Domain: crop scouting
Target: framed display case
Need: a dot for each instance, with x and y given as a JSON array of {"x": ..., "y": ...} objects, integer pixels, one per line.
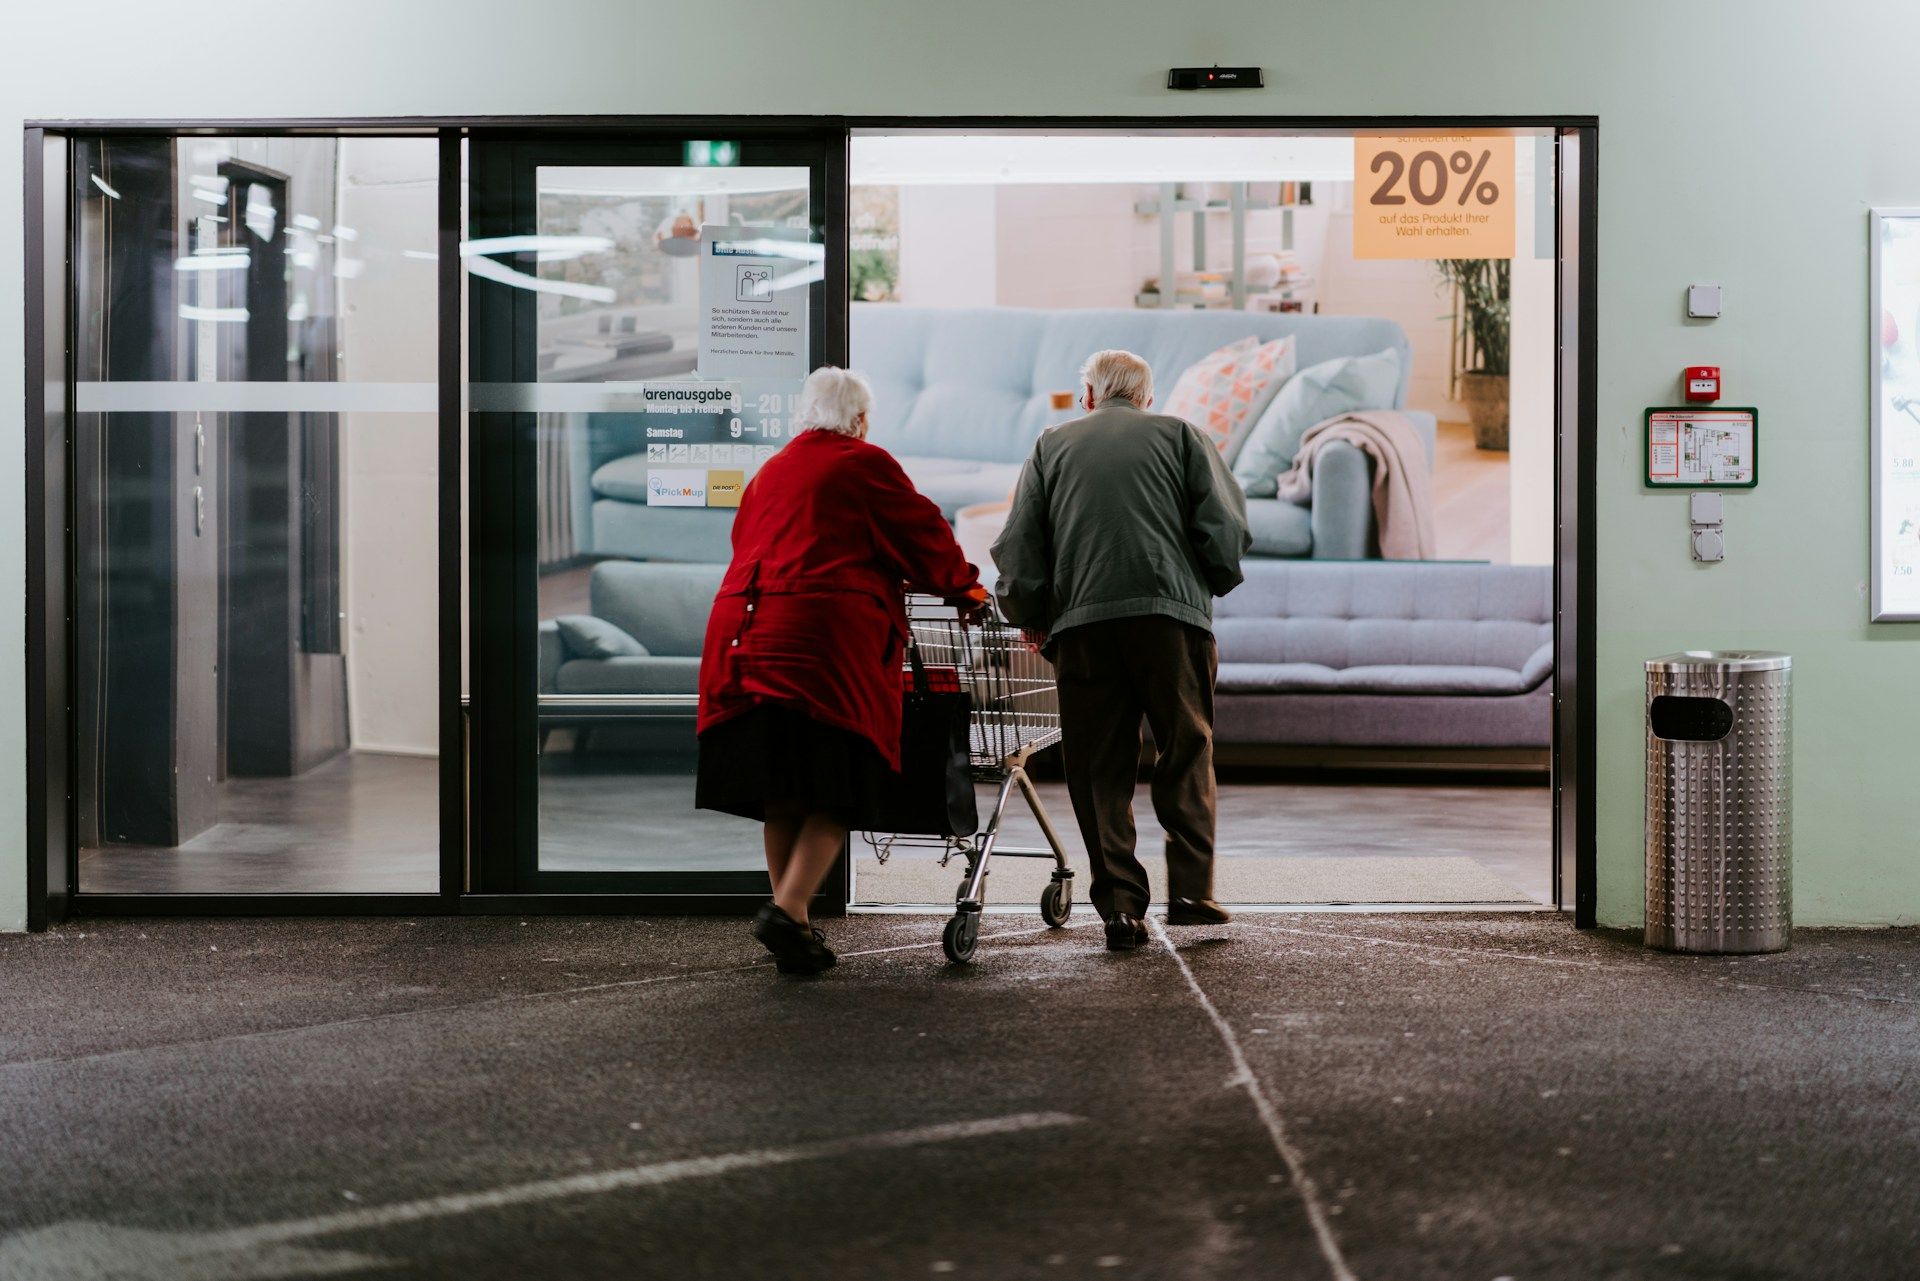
[{"x": 1894, "y": 309}]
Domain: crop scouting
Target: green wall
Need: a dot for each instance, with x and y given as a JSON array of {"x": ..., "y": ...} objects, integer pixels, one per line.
[{"x": 1741, "y": 143}]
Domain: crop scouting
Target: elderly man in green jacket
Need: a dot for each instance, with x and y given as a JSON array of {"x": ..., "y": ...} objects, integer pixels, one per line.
[{"x": 1124, "y": 528}]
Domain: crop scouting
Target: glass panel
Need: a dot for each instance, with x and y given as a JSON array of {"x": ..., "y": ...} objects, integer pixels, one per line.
[
  {"x": 674, "y": 323},
  {"x": 256, "y": 515}
]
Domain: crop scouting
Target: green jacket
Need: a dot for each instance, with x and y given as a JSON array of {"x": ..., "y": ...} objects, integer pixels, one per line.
[{"x": 1119, "y": 514}]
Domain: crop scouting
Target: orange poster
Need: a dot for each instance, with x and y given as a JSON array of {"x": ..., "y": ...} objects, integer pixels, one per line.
[{"x": 1438, "y": 196}]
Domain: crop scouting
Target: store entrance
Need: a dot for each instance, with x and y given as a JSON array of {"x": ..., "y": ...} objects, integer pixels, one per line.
[
  {"x": 383, "y": 484},
  {"x": 1391, "y": 405}
]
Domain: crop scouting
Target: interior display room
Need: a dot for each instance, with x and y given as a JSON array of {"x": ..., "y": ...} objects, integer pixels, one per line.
[{"x": 1760, "y": 185}]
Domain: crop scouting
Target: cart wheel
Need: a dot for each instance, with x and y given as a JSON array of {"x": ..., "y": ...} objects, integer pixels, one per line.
[
  {"x": 1056, "y": 903},
  {"x": 961, "y": 936}
]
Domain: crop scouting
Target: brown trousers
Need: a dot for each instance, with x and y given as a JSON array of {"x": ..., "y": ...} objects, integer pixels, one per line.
[{"x": 1111, "y": 674}]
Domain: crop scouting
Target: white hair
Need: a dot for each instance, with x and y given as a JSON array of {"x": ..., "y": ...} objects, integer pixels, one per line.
[
  {"x": 1118, "y": 373},
  {"x": 831, "y": 399}
]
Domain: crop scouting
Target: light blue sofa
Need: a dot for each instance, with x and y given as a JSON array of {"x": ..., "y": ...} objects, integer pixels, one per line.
[
  {"x": 1313, "y": 653},
  {"x": 1428, "y": 654},
  {"x": 664, "y": 607},
  {"x": 960, "y": 397}
]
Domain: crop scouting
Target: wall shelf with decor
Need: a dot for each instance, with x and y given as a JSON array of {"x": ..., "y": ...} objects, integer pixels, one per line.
[{"x": 1241, "y": 199}]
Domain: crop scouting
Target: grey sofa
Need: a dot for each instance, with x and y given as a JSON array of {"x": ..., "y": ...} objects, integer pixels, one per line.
[
  {"x": 664, "y": 607},
  {"x": 1312, "y": 653},
  {"x": 1387, "y": 654},
  {"x": 961, "y": 395}
]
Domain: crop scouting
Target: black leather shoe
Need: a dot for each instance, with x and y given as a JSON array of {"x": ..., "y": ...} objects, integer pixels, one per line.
[
  {"x": 796, "y": 948},
  {"x": 1196, "y": 911},
  {"x": 820, "y": 958},
  {"x": 1125, "y": 933}
]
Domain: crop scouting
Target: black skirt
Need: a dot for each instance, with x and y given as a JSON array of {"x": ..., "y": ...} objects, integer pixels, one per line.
[{"x": 776, "y": 761}]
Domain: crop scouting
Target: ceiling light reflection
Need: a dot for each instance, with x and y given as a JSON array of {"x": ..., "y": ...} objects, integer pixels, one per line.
[
  {"x": 214, "y": 262},
  {"x": 488, "y": 269},
  {"x": 570, "y": 246}
]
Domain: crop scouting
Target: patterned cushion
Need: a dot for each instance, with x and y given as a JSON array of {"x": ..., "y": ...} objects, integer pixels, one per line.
[{"x": 1223, "y": 393}]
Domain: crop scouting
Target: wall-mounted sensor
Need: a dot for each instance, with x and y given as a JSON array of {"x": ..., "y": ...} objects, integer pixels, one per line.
[
  {"x": 1215, "y": 78},
  {"x": 1703, "y": 302}
]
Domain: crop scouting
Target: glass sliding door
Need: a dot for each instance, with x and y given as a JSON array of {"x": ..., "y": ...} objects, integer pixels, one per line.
[
  {"x": 641, "y": 317},
  {"x": 255, "y": 508}
]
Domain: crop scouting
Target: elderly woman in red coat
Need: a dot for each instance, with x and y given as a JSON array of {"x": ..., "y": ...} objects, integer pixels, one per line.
[{"x": 800, "y": 677}]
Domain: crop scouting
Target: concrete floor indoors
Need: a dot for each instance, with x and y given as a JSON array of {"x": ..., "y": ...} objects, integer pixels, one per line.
[
  {"x": 1289, "y": 1096},
  {"x": 367, "y": 823}
]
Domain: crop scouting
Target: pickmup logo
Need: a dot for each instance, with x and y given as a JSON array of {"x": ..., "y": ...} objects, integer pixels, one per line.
[{"x": 677, "y": 487}]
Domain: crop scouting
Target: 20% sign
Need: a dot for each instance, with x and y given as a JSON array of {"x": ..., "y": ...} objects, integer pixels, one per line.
[{"x": 1433, "y": 197}]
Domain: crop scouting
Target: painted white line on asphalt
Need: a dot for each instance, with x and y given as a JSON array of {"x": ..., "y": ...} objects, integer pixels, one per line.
[
  {"x": 1245, "y": 1078},
  {"x": 639, "y": 1176},
  {"x": 69, "y": 1251}
]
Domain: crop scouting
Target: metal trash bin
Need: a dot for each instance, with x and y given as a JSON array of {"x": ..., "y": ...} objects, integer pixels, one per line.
[{"x": 1719, "y": 801}]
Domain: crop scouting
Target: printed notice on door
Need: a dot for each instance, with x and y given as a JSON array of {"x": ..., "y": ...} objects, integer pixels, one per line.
[
  {"x": 753, "y": 301},
  {"x": 1433, "y": 196}
]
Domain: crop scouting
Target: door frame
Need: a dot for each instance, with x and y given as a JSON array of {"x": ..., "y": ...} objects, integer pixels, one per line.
[
  {"x": 503, "y": 499},
  {"x": 52, "y": 863}
]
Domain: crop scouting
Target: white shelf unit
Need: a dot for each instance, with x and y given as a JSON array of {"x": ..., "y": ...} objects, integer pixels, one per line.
[{"x": 1169, "y": 204}]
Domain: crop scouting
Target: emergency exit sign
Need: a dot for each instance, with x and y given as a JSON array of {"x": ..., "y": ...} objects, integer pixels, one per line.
[{"x": 709, "y": 154}]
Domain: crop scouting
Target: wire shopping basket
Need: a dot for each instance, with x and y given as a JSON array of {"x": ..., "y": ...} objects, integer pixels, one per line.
[{"x": 1015, "y": 712}]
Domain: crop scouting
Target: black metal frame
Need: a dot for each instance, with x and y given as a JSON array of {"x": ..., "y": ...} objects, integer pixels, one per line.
[
  {"x": 1576, "y": 526},
  {"x": 504, "y": 498},
  {"x": 51, "y": 858}
]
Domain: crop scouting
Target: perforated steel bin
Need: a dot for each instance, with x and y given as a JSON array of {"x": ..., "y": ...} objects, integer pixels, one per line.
[{"x": 1719, "y": 801}]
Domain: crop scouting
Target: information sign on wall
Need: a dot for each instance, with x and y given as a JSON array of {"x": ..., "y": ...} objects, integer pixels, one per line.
[
  {"x": 1894, "y": 248},
  {"x": 1716, "y": 448},
  {"x": 1433, "y": 196}
]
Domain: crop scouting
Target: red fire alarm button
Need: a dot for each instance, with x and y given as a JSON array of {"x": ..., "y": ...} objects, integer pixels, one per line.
[{"x": 1703, "y": 382}]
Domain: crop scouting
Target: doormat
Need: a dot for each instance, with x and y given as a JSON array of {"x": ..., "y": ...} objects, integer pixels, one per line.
[{"x": 915, "y": 877}]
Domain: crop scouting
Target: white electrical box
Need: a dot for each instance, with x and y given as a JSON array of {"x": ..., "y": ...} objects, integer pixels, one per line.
[
  {"x": 1705, "y": 531},
  {"x": 1703, "y": 301}
]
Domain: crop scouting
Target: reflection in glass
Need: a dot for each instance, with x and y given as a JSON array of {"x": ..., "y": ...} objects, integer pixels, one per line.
[
  {"x": 256, "y": 613},
  {"x": 638, "y": 273}
]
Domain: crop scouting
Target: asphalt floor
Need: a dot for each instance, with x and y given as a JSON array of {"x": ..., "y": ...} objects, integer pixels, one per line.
[{"x": 1292, "y": 1095}]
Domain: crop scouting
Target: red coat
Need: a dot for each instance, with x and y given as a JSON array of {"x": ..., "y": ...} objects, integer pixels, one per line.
[{"x": 811, "y": 612}]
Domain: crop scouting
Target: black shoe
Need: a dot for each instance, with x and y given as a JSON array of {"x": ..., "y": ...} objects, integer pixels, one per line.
[
  {"x": 1125, "y": 933},
  {"x": 1196, "y": 911},
  {"x": 823, "y": 959},
  {"x": 796, "y": 948}
]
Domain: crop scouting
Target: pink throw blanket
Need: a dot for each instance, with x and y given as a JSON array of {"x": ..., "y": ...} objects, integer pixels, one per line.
[{"x": 1402, "y": 480}]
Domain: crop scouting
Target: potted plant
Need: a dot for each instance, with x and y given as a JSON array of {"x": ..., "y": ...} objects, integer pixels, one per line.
[
  {"x": 1486, "y": 317},
  {"x": 871, "y": 276}
]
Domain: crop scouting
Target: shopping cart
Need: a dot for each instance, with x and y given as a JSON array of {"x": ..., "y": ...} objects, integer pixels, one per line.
[{"x": 1015, "y": 713}]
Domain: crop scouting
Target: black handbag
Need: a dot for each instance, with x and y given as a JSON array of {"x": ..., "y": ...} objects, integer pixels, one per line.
[{"x": 935, "y": 793}]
